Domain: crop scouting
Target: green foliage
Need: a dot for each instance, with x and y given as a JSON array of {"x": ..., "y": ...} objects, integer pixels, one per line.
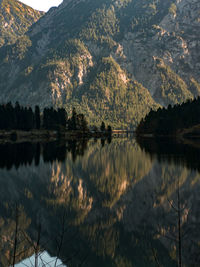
[
  {"x": 145, "y": 14},
  {"x": 77, "y": 122},
  {"x": 21, "y": 46},
  {"x": 103, "y": 127},
  {"x": 110, "y": 96},
  {"x": 194, "y": 87},
  {"x": 173, "y": 89},
  {"x": 109, "y": 129},
  {"x": 168, "y": 121},
  {"x": 103, "y": 22},
  {"x": 64, "y": 61},
  {"x": 173, "y": 9},
  {"x": 68, "y": 49},
  {"x": 22, "y": 18},
  {"x": 78, "y": 70},
  {"x": 37, "y": 117},
  {"x": 17, "y": 117}
]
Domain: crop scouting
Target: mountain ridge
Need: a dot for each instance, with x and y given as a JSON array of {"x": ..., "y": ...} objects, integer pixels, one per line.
[
  {"x": 15, "y": 19},
  {"x": 151, "y": 43}
]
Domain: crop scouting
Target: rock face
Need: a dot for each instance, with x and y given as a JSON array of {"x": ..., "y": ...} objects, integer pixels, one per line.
[
  {"x": 111, "y": 59},
  {"x": 15, "y": 19}
]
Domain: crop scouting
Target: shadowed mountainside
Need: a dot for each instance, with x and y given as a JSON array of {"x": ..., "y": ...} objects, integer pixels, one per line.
[{"x": 112, "y": 60}]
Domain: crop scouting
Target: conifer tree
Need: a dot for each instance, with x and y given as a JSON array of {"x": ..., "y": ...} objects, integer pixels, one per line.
[
  {"x": 103, "y": 127},
  {"x": 37, "y": 117}
]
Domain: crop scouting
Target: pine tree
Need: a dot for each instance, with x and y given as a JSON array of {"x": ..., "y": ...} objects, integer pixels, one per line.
[
  {"x": 109, "y": 129},
  {"x": 103, "y": 127},
  {"x": 37, "y": 117}
]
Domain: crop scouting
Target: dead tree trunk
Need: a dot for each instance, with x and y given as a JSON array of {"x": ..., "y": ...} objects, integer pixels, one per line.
[{"x": 16, "y": 234}]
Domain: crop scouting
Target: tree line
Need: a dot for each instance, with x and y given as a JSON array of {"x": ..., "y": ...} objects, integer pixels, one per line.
[
  {"x": 167, "y": 121},
  {"x": 25, "y": 118},
  {"x": 22, "y": 118}
]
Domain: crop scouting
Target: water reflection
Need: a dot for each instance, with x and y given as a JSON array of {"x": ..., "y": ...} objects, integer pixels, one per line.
[
  {"x": 44, "y": 259},
  {"x": 96, "y": 203},
  {"x": 28, "y": 153},
  {"x": 173, "y": 151}
]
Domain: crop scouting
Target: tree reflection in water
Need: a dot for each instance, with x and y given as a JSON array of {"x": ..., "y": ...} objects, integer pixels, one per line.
[
  {"x": 95, "y": 203},
  {"x": 44, "y": 260}
]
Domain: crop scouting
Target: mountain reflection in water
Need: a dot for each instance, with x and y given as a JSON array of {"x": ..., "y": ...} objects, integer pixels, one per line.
[
  {"x": 43, "y": 260},
  {"x": 96, "y": 203}
]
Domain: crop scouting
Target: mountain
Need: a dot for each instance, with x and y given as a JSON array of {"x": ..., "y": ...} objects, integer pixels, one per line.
[
  {"x": 15, "y": 19},
  {"x": 113, "y": 60}
]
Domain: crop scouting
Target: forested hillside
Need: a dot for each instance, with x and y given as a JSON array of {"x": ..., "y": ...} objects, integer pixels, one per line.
[
  {"x": 15, "y": 19},
  {"x": 172, "y": 120},
  {"x": 112, "y": 60}
]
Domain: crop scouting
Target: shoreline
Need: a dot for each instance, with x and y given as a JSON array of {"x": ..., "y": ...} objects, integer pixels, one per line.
[
  {"x": 19, "y": 136},
  {"x": 184, "y": 138}
]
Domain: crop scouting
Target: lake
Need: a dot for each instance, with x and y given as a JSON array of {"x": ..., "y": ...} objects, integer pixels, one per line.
[{"x": 100, "y": 203}]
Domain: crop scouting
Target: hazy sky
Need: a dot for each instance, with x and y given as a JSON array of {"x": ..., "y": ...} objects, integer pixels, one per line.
[{"x": 43, "y": 5}]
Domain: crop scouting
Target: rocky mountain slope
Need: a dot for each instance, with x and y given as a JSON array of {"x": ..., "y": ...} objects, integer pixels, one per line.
[
  {"x": 111, "y": 59},
  {"x": 15, "y": 19}
]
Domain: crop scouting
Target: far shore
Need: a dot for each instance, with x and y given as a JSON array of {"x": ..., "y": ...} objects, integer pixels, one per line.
[
  {"x": 187, "y": 136},
  {"x": 181, "y": 134},
  {"x": 43, "y": 135}
]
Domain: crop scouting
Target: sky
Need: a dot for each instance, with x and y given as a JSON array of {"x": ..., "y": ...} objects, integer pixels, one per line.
[{"x": 42, "y": 5}]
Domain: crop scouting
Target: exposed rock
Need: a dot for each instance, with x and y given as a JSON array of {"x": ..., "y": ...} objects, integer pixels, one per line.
[
  {"x": 15, "y": 19},
  {"x": 156, "y": 45}
]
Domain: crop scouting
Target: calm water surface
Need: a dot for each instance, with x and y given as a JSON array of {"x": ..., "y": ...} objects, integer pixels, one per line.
[{"x": 100, "y": 203}]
